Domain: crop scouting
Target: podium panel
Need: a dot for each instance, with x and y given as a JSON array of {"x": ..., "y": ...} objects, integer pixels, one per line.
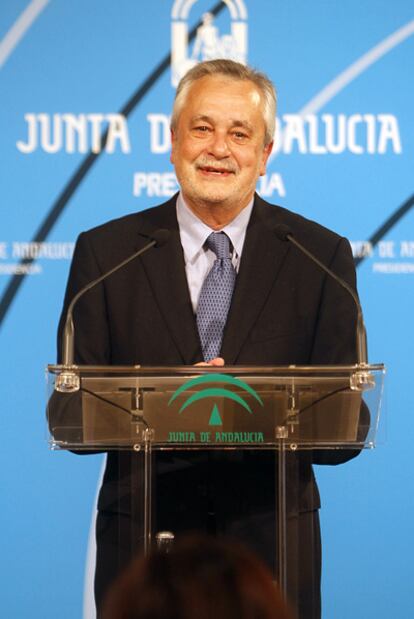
[
  {"x": 297, "y": 415},
  {"x": 203, "y": 408}
]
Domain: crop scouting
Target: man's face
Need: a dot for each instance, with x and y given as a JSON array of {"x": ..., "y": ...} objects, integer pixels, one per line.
[{"x": 218, "y": 144}]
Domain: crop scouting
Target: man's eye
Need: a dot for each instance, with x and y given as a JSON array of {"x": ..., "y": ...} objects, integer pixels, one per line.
[
  {"x": 202, "y": 128},
  {"x": 240, "y": 135}
]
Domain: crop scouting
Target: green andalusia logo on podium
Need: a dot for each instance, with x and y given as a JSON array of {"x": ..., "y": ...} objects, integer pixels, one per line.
[{"x": 215, "y": 392}]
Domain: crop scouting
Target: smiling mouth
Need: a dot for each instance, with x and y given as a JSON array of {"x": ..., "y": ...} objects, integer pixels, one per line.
[{"x": 213, "y": 171}]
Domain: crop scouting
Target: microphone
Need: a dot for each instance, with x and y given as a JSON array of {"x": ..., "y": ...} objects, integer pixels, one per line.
[
  {"x": 68, "y": 380},
  {"x": 284, "y": 233}
]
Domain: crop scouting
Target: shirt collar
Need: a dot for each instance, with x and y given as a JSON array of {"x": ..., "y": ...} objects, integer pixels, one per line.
[{"x": 194, "y": 232}]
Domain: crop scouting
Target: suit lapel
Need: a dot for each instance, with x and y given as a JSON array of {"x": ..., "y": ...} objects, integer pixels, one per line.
[
  {"x": 165, "y": 269},
  {"x": 262, "y": 259}
]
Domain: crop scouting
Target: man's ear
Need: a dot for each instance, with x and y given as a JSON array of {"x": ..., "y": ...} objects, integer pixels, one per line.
[
  {"x": 173, "y": 139},
  {"x": 265, "y": 156}
]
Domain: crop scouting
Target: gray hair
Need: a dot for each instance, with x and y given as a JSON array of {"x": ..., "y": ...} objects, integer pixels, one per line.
[{"x": 236, "y": 71}]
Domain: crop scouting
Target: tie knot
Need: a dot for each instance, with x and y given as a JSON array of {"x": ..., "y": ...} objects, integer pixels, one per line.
[{"x": 219, "y": 243}]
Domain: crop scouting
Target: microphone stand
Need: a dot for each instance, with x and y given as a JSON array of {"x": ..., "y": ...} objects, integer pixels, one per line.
[{"x": 68, "y": 380}]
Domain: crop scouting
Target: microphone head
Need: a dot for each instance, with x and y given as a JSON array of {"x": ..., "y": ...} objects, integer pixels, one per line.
[
  {"x": 161, "y": 236},
  {"x": 282, "y": 232}
]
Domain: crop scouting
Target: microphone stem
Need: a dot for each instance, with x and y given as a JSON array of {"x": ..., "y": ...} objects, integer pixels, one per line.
[
  {"x": 361, "y": 334},
  {"x": 68, "y": 341}
]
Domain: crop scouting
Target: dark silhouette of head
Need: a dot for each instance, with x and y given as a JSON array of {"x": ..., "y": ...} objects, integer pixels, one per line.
[{"x": 200, "y": 578}]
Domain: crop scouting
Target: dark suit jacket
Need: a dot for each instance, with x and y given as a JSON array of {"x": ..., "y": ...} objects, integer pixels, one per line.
[{"x": 284, "y": 310}]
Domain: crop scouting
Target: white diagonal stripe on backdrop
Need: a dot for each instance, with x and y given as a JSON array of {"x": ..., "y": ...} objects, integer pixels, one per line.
[
  {"x": 89, "y": 608},
  {"x": 354, "y": 70},
  {"x": 19, "y": 28}
]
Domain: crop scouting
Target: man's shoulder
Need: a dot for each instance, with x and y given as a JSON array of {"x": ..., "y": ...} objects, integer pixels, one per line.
[
  {"x": 307, "y": 231},
  {"x": 129, "y": 226}
]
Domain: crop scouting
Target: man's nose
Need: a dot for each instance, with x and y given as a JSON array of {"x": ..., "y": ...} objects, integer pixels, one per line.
[{"x": 219, "y": 146}]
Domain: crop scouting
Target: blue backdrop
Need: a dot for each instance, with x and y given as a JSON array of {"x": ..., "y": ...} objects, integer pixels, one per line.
[{"x": 71, "y": 71}]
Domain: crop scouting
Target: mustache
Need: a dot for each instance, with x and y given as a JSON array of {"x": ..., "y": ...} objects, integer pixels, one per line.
[{"x": 205, "y": 162}]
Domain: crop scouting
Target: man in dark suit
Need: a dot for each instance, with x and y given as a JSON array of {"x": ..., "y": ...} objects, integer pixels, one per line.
[{"x": 284, "y": 310}]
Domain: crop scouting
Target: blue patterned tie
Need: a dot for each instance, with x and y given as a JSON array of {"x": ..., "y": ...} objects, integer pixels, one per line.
[{"x": 215, "y": 296}]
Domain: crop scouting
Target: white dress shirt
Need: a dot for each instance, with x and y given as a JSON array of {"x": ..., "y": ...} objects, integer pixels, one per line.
[{"x": 193, "y": 235}]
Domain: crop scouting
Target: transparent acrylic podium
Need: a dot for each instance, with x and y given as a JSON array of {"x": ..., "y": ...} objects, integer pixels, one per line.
[{"x": 284, "y": 409}]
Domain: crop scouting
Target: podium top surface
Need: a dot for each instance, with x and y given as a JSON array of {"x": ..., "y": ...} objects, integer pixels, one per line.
[{"x": 288, "y": 370}]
